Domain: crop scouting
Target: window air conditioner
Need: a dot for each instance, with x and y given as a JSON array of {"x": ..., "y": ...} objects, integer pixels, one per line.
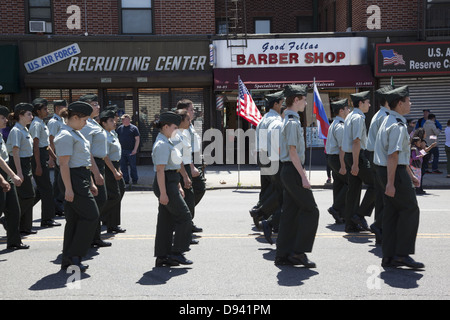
[{"x": 37, "y": 26}]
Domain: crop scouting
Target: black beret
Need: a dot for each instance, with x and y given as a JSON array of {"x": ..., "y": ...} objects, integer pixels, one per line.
[
  {"x": 81, "y": 107},
  {"x": 274, "y": 97},
  {"x": 89, "y": 97},
  {"x": 337, "y": 105},
  {"x": 295, "y": 90},
  {"x": 4, "y": 111},
  {"x": 397, "y": 93},
  {"x": 380, "y": 93},
  {"x": 360, "y": 96},
  {"x": 170, "y": 117},
  {"x": 40, "y": 102},
  {"x": 60, "y": 103},
  {"x": 112, "y": 107},
  {"x": 23, "y": 106},
  {"x": 105, "y": 114}
]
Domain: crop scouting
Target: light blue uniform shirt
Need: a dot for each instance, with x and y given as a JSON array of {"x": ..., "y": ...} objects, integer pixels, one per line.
[
  {"x": 39, "y": 130},
  {"x": 114, "y": 148},
  {"x": 274, "y": 131},
  {"x": 335, "y": 135},
  {"x": 269, "y": 117},
  {"x": 54, "y": 125},
  {"x": 20, "y": 137},
  {"x": 3, "y": 149},
  {"x": 292, "y": 135},
  {"x": 165, "y": 153},
  {"x": 182, "y": 141},
  {"x": 96, "y": 136},
  {"x": 70, "y": 142},
  {"x": 375, "y": 124},
  {"x": 392, "y": 136},
  {"x": 354, "y": 128}
]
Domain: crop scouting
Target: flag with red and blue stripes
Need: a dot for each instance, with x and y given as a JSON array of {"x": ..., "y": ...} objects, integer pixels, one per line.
[{"x": 321, "y": 116}]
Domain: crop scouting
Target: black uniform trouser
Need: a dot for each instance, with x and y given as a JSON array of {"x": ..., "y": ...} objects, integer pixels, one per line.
[
  {"x": 353, "y": 196},
  {"x": 81, "y": 214},
  {"x": 379, "y": 191},
  {"x": 102, "y": 197},
  {"x": 401, "y": 215},
  {"x": 276, "y": 199},
  {"x": 25, "y": 193},
  {"x": 58, "y": 197},
  {"x": 300, "y": 217},
  {"x": 115, "y": 190},
  {"x": 9, "y": 204},
  {"x": 189, "y": 196},
  {"x": 340, "y": 184},
  {"x": 199, "y": 185},
  {"x": 44, "y": 191},
  {"x": 174, "y": 217}
]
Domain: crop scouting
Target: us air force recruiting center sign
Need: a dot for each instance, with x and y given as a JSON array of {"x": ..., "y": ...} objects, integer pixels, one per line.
[
  {"x": 117, "y": 56},
  {"x": 52, "y": 58}
]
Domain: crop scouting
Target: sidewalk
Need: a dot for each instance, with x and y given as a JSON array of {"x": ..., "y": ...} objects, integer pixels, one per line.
[{"x": 228, "y": 177}]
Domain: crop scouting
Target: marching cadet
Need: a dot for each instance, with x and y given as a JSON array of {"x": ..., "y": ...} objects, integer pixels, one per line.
[
  {"x": 198, "y": 175},
  {"x": 173, "y": 213},
  {"x": 401, "y": 211},
  {"x": 268, "y": 197},
  {"x": 96, "y": 135},
  {"x": 41, "y": 173},
  {"x": 181, "y": 138},
  {"x": 375, "y": 124},
  {"x": 9, "y": 203},
  {"x": 20, "y": 149},
  {"x": 54, "y": 126},
  {"x": 300, "y": 216},
  {"x": 115, "y": 185},
  {"x": 335, "y": 159},
  {"x": 81, "y": 211},
  {"x": 354, "y": 143}
]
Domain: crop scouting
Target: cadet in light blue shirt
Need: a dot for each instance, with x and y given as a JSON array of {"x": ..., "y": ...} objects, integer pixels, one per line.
[
  {"x": 9, "y": 202},
  {"x": 375, "y": 124},
  {"x": 115, "y": 184},
  {"x": 299, "y": 220},
  {"x": 41, "y": 155},
  {"x": 96, "y": 135},
  {"x": 80, "y": 208},
  {"x": 335, "y": 159},
  {"x": 20, "y": 148},
  {"x": 54, "y": 126},
  {"x": 401, "y": 211},
  {"x": 267, "y": 199},
  {"x": 174, "y": 226},
  {"x": 358, "y": 166}
]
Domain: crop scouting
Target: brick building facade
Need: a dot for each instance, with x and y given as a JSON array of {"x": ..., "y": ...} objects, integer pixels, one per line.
[{"x": 146, "y": 56}]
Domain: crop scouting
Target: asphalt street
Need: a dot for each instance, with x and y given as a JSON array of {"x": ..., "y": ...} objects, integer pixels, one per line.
[{"x": 232, "y": 260}]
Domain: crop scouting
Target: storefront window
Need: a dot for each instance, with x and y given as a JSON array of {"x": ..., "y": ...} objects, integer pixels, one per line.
[
  {"x": 151, "y": 103},
  {"x": 51, "y": 95},
  {"x": 123, "y": 98}
]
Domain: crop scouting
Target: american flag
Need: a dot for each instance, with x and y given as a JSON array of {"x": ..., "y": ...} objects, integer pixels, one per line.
[
  {"x": 246, "y": 107},
  {"x": 392, "y": 57}
]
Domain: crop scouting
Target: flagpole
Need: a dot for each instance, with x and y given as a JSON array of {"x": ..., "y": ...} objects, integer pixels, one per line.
[
  {"x": 310, "y": 133},
  {"x": 238, "y": 139}
]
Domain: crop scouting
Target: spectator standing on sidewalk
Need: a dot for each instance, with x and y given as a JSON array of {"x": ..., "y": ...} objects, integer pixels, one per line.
[
  {"x": 129, "y": 138},
  {"x": 432, "y": 132}
]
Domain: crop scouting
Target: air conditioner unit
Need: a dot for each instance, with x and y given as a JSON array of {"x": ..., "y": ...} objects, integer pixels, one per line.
[{"x": 37, "y": 26}]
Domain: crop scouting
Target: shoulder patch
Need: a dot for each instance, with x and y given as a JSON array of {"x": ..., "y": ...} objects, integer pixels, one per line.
[{"x": 400, "y": 122}]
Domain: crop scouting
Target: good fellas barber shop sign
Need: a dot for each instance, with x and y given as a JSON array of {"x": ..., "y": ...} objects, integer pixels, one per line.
[{"x": 293, "y": 52}]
